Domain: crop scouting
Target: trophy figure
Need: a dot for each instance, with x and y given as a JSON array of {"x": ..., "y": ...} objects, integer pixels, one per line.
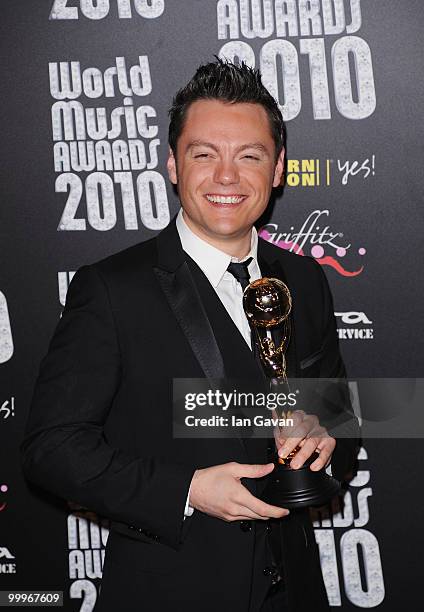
[{"x": 267, "y": 303}]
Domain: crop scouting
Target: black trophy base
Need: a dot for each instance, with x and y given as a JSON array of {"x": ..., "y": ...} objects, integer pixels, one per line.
[{"x": 290, "y": 488}]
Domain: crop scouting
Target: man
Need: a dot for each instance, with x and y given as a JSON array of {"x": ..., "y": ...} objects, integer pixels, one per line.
[{"x": 186, "y": 531}]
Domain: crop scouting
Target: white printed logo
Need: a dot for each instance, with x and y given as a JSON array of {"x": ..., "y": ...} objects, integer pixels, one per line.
[
  {"x": 351, "y": 319},
  {"x": 5, "y": 553},
  {"x": 6, "y": 341},
  {"x": 99, "y": 9}
]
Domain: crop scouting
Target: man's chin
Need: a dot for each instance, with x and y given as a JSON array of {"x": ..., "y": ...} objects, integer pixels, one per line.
[{"x": 227, "y": 232}]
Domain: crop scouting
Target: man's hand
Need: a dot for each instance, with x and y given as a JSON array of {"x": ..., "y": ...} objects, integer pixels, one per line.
[
  {"x": 310, "y": 436},
  {"x": 217, "y": 491}
]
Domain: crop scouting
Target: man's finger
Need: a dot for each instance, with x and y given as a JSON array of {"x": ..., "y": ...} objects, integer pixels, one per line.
[
  {"x": 325, "y": 453},
  {"x": 325, "y": 449},
  {"x": 289, "y": 445},
  {"x": 252, "y": 470},
  {"x": 305, "y": 429},
  {"x": 266, "y": 510},
  {"x": 248, "y": 515},
  {"x": 259, "y": 507},
  {"x": 306, "y": 451},
  {"x": 239, "y": 512}
]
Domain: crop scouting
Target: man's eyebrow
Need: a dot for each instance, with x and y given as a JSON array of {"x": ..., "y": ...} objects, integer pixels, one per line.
[
  {"x": 201, "y": 143},
  {"x": 250, "y": 145},
  {"x": 253, "y": 145}
]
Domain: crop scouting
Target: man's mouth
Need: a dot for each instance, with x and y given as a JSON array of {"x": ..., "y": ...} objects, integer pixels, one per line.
[{"x": 232, "y": 199}]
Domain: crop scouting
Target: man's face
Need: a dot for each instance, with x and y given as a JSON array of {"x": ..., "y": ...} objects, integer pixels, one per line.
[{"x": 225, "y": 168}]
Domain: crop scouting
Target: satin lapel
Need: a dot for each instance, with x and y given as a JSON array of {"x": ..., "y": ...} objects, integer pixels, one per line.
[
  {"x": 184, "y": 300},
  {"x": 275, "y": 269},
  {"x": 180, "y": 290},
  {"x": 181, "y": 293}
]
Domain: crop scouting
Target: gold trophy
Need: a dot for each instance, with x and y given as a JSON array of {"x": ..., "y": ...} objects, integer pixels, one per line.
[{"x": 267, "y": 303}]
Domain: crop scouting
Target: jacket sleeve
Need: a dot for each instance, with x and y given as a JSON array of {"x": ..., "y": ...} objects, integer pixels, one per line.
[
  {"x": 346, "y": 427},
  {"x": 64, "y": 449}
]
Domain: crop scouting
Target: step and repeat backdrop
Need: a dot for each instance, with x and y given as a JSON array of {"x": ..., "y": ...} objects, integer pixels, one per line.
[{"x": 86, "y": 88}]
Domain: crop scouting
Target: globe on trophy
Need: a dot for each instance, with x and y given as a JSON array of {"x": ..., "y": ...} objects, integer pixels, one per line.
[{"x": 267, "y": 303}]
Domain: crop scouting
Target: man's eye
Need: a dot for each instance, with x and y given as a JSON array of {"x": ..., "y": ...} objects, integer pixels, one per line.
[
  {"x": 251, "y": 157},
  {"x": 201, "y": 155}
]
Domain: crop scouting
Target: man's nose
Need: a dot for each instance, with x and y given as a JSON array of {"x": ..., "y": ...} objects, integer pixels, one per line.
[{"x": 226, "y": 172}]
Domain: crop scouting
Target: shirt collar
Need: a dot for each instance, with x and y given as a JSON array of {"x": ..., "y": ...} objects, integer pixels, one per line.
[{"x": 211, "y": 261}]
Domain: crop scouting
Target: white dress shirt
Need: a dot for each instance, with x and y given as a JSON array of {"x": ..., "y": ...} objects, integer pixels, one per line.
[{"x": 214, "y": 264}]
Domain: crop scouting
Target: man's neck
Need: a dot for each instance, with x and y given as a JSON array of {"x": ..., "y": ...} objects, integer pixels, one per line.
[{"x": 236, "y": 246}]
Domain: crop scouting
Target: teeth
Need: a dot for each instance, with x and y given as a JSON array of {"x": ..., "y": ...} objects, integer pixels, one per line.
[{"x": 224, "y": 200}]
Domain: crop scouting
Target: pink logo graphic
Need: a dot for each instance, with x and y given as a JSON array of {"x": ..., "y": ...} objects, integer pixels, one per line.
[
  {"x": 316, "y": 240},
  {"x": 3, "y": 489}
]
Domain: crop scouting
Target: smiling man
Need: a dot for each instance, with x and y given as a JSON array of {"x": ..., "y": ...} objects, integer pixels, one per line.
[
  {"x": 188, "y": 528},
  {"x": 225, "y": 166}
]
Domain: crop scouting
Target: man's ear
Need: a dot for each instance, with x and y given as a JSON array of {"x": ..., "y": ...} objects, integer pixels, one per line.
[
  {"x": 279, "y": 169},
  {"x": 171, "y": 166}
]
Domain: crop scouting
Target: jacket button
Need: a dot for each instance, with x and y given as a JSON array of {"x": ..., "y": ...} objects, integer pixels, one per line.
[
  {"x": 268, "y": 571},
  {"x": 246, "y": 525},
  {"x": 268, "y": 527}
]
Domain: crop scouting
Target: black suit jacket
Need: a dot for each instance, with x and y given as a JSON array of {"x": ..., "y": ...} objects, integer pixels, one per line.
[{"x": 99, "y": 431}]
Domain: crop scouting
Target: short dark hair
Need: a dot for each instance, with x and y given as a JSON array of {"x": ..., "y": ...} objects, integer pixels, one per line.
[{"x": 223, "y": 80}]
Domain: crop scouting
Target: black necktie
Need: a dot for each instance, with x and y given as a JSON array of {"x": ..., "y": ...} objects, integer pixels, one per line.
[{"x": 240, "y": 272}]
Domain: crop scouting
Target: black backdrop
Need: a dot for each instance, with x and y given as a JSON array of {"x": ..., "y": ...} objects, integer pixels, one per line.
[{"x": 348, "y": 77}]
